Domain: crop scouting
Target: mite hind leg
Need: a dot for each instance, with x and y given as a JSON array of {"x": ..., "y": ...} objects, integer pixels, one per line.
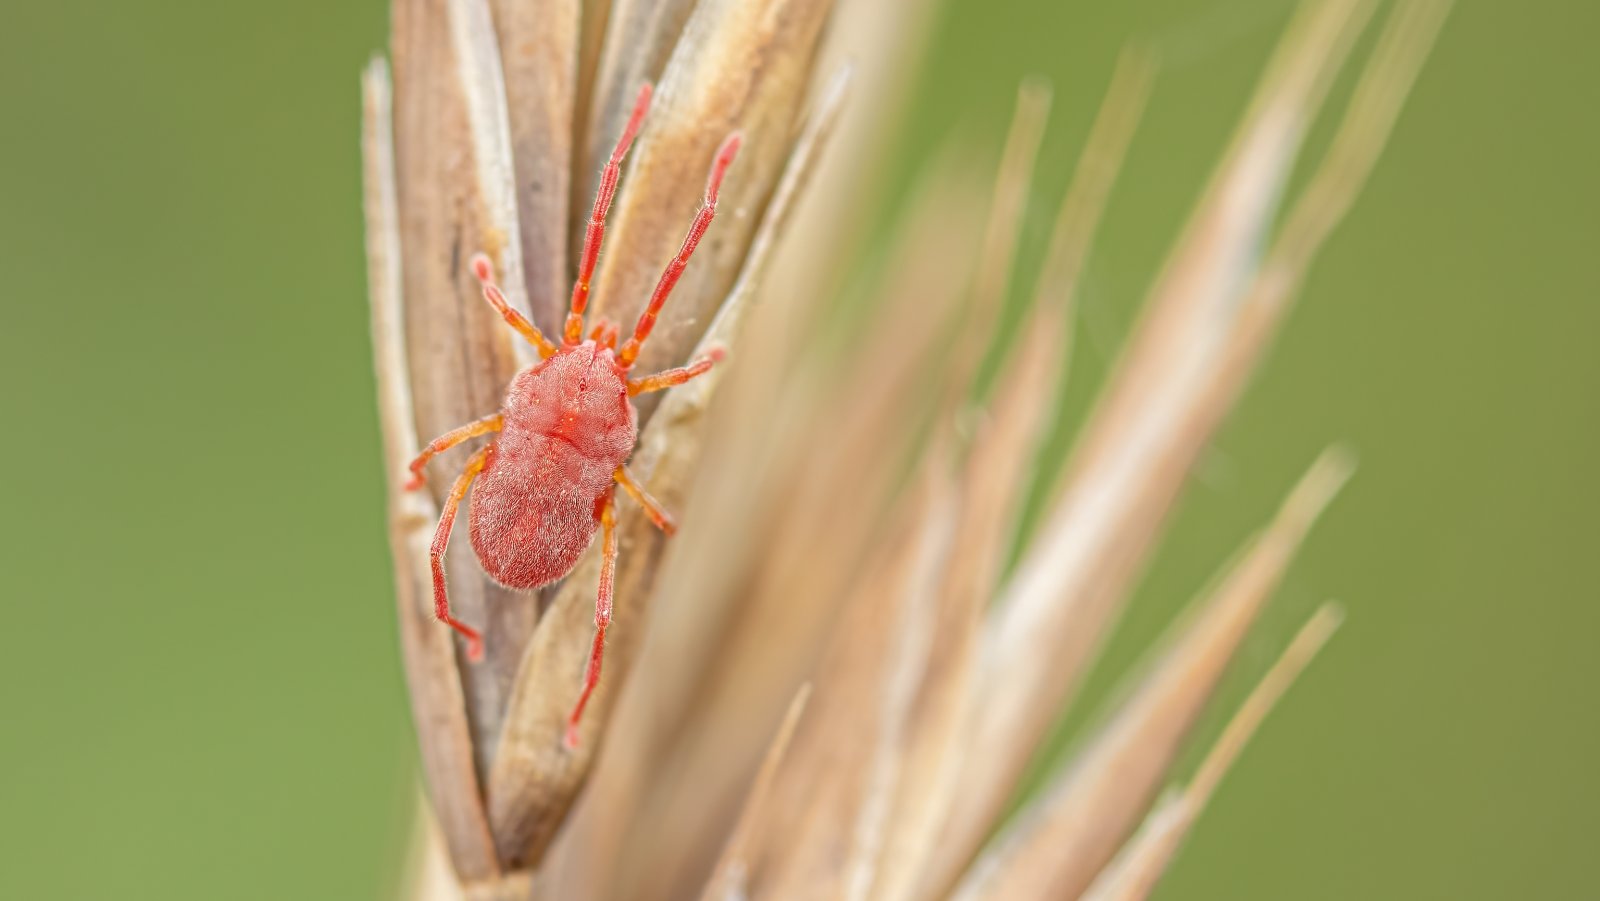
[
  {"x": 448, "y": 440},
  {"x": 602, "y": 611},
  {"x": 441, "y": 541},
  {"x": 652, "y": 507}
]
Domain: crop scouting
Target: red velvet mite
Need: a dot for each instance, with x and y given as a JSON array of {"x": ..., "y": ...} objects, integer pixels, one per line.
[{"x": 548, "y": 478}]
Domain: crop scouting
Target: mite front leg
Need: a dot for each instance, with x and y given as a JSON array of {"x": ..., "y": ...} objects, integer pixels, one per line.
[
  {"x": 441, "y": 541},
  {"x": 448, "y": 440},
  {"x": 497, "y": 299},
  {"x": 652, "y": 507},
  {"x": 669, "y": 278},
  {"x": 602, "y": 612},
  {"x": 670, "y": 377},
  {"x": 595, "y": 234}
]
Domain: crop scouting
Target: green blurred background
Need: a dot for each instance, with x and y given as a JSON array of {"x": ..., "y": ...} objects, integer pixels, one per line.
[{"x": 201, "y": 692}]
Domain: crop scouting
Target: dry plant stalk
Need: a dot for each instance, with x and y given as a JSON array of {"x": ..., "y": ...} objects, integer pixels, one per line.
[{"x": 918, "y": 678}]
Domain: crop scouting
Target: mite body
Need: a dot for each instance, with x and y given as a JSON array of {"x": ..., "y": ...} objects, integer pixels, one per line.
[
  {"x": 546, "y": 481},
  {"x": 568, "y": 427}
]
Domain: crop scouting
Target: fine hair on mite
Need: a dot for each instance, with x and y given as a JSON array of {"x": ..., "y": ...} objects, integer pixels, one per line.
[{"x": 546, "y": 481}]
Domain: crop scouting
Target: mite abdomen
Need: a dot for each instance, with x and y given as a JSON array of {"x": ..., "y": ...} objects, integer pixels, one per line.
[{"x": 533, "y": 509}]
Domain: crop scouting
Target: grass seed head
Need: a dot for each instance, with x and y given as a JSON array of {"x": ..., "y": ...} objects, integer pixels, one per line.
[{"x": 841, "y": 686}]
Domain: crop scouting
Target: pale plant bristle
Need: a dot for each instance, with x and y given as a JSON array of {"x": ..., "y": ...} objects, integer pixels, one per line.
[{"x": 830, "y": 687}]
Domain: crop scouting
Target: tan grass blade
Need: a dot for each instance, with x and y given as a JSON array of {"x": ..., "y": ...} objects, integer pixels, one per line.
[
  {"x": 1402, "y": 48},
  {"x": 995, "y": 477},
  {"x": 1096, "y": 173},
  {"x": 740, "y": 65},
  {"x": 886, "y": 46},
  {"x": 907, "y": 657},
  {"x": 1007, "y": 213},
  {"x": 990, "y": 495},
  {"x": 637, "y": 41},
  {"x": 429, "y": 875},
  {"x": 1141, "y": 863},
  {"x": 1060, "y": 841},
  {"x": 594, "y": 19},
  {"x": 460, "y": 353},
  {"x": 431, "y": 674},
  {"x": 538, "y": 49},
  {"x": 1156, "y": 414},
  {"x": 816, "y": 135},
  {"x": 729, "y": 880},
  {"x": 534, "y": 778},
  {"x": 483, "y": 86},
  {"x": 825, "y": 831}
]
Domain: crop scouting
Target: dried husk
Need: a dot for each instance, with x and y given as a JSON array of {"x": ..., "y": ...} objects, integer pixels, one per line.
[
  {"x": 730, "y": 880},
  {"x": 431, "y": 673},
  {"x": 1140, "y": 864},
  {"x": 538, "y": 50}
]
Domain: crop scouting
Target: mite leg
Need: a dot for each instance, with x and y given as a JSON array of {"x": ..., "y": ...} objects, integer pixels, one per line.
[
  {"x": 441, "y": 540},
  {"x": 674, "y": 270},
  {"x": 597, "y": 218},
  {"x": 496, "y": 299},
  {"x": 669, "y": 377},
  {"x": 448, "y": 440},
  {"x": 652, "y": 507},
  {"x": 602, "y": 613}
]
